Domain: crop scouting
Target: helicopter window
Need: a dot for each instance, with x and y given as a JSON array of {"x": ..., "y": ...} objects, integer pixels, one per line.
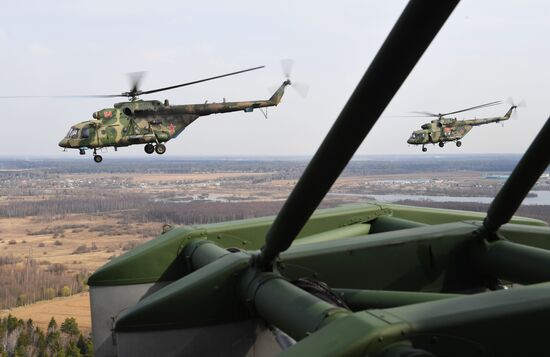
[
  {"x": 73, "y": 133},
  {"x": 85, "y": 133}
]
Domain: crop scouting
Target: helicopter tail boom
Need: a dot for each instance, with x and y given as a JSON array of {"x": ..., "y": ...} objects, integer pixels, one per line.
[
  {"x": 278, "y": 95},
  {"x": 214, "y": 108},
  {"x": 510, "y": 111},
  {"x": 482, "y": 121}
]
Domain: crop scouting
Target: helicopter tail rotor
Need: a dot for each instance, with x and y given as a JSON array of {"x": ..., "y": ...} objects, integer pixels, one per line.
[
  {"x": 522, "y": 103},
  {"x": 515, "y": 105},
  {"x": 301, "y": 88}
]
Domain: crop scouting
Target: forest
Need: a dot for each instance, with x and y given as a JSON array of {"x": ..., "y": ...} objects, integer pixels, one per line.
[
  {"x": 20, "y": 338},
  {"x": 25, "y": 281}
]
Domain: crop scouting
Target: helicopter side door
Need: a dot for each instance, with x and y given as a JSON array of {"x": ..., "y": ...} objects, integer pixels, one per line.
[{"x": 89, "y": 136}]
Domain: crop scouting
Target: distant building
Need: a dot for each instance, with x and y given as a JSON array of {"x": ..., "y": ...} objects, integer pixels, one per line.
[
  {"x": 505, "y": 176},
  {"x": 496, "y": 177}
]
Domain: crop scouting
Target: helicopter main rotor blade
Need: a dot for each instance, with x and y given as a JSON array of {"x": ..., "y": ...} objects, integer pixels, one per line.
[
  {"x": 411, "y": 35},
  {"x": 476, "y": 107},
  {"x": 533, "y": 163},
  {"x": 407, "y": 116},
  {"x": 135, "y": 80},
  {"x": 62, "y": 96},
  {"x": 425, "y": 114},
  {"x": 199, "y": 81}
]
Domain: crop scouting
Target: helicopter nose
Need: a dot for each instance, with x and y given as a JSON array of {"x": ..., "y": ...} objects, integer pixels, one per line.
[{"x": 63, "y": 143}]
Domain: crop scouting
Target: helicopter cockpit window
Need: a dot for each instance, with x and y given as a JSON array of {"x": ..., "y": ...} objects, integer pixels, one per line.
[
  {"x": 85, "y": 133},
  {"x": 73, "y": 133}
]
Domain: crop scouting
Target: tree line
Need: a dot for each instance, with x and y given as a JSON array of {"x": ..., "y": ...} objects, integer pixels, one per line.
[
  {"x": 24, "y": 282},
  {"x": 139, "y": 208},
  {"x": 23, "y": 339}
]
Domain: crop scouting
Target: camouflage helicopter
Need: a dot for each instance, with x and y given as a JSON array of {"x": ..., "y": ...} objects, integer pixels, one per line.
[
  {"x": 151, "y": 122},
  {"x": 444, "y": 129},
  {"x": 380, "y": 280}
]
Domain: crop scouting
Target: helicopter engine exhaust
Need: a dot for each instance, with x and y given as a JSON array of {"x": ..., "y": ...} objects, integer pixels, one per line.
[{"x": 129, "y": 112}]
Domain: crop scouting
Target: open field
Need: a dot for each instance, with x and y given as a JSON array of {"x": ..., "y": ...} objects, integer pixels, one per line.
[
  {"x": 77, "y": 306},
  {"x": 48, "y": 241}
]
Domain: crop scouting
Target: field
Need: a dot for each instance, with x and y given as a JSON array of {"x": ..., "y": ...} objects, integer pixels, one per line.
[{"x": 77, "y": 306}]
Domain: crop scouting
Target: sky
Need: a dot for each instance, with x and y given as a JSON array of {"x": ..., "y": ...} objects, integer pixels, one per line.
[{"x": 488, "y": 50}]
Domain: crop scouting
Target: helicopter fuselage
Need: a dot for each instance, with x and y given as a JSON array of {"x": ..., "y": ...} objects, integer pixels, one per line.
[
  {"x": 436, "y": 132},
  {"x": 149, "y": 122},
  {"x": 114, "y": 128},
  {"x": 443, "y": 129}
]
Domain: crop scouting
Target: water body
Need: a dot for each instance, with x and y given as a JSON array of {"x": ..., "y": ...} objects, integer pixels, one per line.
[{"x": 543, "y": 198}]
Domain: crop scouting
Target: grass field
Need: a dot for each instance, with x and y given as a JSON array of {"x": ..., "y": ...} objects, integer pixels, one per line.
[
  {"x": 50, "y": 248},
  {"x": 77, "y": 306}
]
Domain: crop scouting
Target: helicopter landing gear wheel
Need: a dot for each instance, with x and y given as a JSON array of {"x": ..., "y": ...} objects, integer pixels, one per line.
[
  {"x": 424, "y": 149},
  {"x": 98, "y": 158},
  {"x": 441, "y": 144},
  {"x": 149, "y": 148},
  {"x": 160, "y": 149},
  {"x": 458, "y": 143}
]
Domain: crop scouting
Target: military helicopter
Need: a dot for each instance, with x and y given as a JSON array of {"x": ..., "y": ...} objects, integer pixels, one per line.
[
  {"x": 444, "y": 129},
  {"x": 151, "y": 122},
  {"x": 380, "y": 280}
]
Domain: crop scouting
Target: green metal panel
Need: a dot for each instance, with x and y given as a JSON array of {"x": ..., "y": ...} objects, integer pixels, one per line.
[
  {"x": 353, "y": 230},
  {"x": 358, "y": 334},
  {"x": 533, "y": 236},
  {"x": 156, "y": 260},
  {"x": 159, "y": 260},
  {"x": 430, "y": 258},
  {"x": 439, "y": 215},
  {"x": 379, "y": 299},
  {"x": 386, "y": 224},
  {"x": 206, "y": 296}
]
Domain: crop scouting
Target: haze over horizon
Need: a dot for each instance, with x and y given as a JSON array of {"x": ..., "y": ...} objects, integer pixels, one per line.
[{"x": 486, "y": 51}]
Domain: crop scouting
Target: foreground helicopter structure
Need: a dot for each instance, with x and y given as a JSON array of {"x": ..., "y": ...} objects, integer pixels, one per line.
[
  {"x": 365, "y": 280},
  {"x": 151, "y": 122},
  {"x": 441, "y": 130}
]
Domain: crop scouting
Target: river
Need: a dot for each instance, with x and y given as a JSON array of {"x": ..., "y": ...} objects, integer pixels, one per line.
[{"x": 542, "y": 198}]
